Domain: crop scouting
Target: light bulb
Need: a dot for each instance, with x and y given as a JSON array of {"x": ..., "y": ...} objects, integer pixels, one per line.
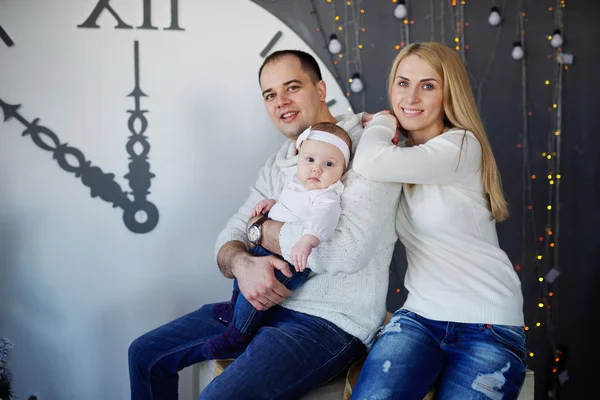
[
  {"x": 335, "y": 46},
  {"x": 494, "y": 18},
  {"x": 557, "y": 39},
  {"x": 517, "y": 51},
  {"x": 356, "y": 85},
  {"x": 400, "y": 11}
]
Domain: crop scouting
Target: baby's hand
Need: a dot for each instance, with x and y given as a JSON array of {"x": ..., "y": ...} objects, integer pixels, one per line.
[
  {"x": 300, "y": 253},
  {"x": 263, "y": 207}
]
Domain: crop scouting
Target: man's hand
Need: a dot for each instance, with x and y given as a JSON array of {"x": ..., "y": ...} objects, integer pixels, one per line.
[
  {"x": 257, "y": 280},
  {"x": 367, "y": 118},
  {"x": 263, "y": 207}
]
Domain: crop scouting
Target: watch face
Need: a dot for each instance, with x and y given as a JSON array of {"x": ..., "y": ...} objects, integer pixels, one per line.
[{"x": 253, "y": 233}]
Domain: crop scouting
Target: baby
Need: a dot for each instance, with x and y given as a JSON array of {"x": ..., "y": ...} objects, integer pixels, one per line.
[{"x": 311, "y": 196}]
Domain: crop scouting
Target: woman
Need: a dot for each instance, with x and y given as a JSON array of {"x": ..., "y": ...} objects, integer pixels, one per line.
[{"x": 461, "y": 327}]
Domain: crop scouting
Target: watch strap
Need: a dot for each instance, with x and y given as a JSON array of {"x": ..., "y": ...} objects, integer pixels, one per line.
[{"x": 260, "y": 221}]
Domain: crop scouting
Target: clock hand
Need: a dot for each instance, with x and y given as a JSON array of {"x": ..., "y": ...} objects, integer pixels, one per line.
[
  {"x": 139, "y": 215},
  {"x": 5, "y": 38},
  {"x": 139, "y": 168},
  {"x": 100, "y": 183}
]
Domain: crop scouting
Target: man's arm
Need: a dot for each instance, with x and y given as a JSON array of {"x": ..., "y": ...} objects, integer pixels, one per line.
[
  {"x": 254, "y": 274},
  {"x": 235, "y": 229},
  {"x": 270, "y": 236},
  {"x": 367, "y": 206},
  {"x": 230, "y": 254}
]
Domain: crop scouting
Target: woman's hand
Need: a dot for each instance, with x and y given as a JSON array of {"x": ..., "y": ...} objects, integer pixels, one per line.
[{"x": 367, "y": 118}]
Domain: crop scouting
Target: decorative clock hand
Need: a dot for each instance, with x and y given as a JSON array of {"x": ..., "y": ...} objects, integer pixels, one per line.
[
  {"x": 103, "y": 184},
  {"x": 5, "y": 38},
  {"x": 139, "y": 169}
]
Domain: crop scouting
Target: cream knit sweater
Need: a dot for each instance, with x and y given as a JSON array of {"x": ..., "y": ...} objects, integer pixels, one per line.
[
  {"x": 456, "y": 269},
  {"x": 351, "y": 270}
]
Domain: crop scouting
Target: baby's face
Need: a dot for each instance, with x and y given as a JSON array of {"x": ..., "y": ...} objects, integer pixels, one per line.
[{"x": 320, "y": 164}]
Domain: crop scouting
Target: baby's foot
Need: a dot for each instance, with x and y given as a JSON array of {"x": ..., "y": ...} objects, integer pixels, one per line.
[
  {"x": 224, "y": 311},
  {"x": 225, "y": 344}
]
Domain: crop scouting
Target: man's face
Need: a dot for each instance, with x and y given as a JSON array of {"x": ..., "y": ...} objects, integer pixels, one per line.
[{"x": 292, "y": 101}]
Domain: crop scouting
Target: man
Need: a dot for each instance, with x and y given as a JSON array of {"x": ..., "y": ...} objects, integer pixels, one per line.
[{"x": 321, "y": 329}]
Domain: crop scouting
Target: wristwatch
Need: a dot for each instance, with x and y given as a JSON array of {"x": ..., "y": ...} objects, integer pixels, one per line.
[{"x": 254, "y": 231}]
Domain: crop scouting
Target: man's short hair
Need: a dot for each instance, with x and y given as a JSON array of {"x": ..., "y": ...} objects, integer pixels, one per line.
[
  {"x": 307, "y": 63},
  {"x": 334, "y": 129}
]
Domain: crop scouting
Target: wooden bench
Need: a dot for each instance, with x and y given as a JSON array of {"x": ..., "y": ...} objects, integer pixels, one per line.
[{"x": 338, "y": 389}]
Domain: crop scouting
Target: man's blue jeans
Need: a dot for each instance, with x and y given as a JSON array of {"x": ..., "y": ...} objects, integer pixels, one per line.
[
  {"x": 291, "y": 354},
  {"x": 463, "y": 361}
]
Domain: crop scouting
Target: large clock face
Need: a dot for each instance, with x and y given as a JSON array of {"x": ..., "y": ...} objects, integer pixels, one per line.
[
  {"x": 147, "y": 78},
  {"x": 139, "y": 128}
]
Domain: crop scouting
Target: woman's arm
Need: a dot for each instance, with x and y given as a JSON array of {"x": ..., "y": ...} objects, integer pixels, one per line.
[{"x": 445, "y": 159}]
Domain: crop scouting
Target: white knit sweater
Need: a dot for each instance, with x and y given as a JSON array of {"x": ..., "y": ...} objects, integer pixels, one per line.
[
  {"x": 350, "y": 283},
  {"x": 456, "y": 269}
]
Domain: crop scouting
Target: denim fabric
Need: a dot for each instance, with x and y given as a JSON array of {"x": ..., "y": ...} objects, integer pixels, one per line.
[
  {"x": 246, "y": 318},
  {"x": 463, "y": 361},
  {"x": 291, "y": 354}
]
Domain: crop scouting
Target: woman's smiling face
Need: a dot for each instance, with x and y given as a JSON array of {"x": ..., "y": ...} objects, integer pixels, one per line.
[{"x": 417, "y": 97}]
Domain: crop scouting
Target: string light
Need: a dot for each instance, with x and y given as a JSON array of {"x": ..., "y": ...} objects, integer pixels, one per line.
[
  {"x": 400, "y": 11},
  {"x": 517, "y": 52},
  {"x": 546, "y": 264},
  {"x": 326, "y": 42},
  {"x": 494, "y": 18},
  {"x": 335, "y": 46}
]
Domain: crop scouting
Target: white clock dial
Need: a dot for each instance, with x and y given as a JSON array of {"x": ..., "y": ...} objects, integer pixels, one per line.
[
  {"x": 76, "y": 284},
  {"x": 187, "y": 69}
]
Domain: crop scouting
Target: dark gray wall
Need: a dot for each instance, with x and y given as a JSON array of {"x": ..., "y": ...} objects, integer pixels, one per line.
[{"x": 572, "y": 314}]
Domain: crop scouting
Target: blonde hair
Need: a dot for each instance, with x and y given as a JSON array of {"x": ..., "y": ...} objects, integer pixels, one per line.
[{"x": 460, "y": 111}]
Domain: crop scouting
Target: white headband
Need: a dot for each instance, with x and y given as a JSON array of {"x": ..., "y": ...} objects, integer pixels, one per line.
[{"x": 327, "y": 138}]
